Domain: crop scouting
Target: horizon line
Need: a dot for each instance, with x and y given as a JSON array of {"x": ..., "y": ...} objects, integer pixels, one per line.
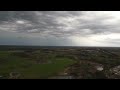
[{"x": 57, "y": 46}]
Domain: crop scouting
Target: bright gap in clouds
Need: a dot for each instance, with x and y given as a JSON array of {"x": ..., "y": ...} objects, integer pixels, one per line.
[
  {"x": 97, "y": 40},
  {"x": 20, "y": 22},
  {"x": 86, "y": 41}
]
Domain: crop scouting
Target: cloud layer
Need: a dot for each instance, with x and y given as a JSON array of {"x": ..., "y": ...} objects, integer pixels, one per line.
[{"x": 85, "y": 25}]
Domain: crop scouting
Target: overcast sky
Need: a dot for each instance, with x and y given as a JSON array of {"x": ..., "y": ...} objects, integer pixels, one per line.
[{"x": 60, "y": 28}]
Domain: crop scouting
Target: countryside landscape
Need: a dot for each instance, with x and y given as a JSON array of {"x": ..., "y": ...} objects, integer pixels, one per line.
[
  {"x": 59, "y": 44},
  {"x": 35, "y": 62}
]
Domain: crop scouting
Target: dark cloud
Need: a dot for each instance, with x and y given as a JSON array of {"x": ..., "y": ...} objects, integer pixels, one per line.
[
  {"x": 41, "y": 20},
  {"x": 55, "y": 22}
]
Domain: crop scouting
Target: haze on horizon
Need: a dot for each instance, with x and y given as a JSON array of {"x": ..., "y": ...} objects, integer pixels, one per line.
[{"x": 60, "y": 28}]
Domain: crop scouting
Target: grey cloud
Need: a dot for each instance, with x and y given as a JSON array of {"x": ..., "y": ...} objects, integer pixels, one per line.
[
  {"x": 25, "y": 39},
  {"x": 58, "y": 27},
  {"x": 45, "y": 22}
]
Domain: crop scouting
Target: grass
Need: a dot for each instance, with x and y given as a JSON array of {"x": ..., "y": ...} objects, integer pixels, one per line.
[
  {"x": 40, "y": 63},
  {"x": 45, "y": 70},
  {"x": 28, "y": 69}
]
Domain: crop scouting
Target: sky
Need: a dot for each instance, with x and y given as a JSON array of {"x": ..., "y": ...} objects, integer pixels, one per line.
[{"x": 60, "y": 28}]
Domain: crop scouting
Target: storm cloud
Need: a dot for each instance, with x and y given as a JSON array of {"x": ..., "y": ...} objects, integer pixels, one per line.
[{"x": 94, "y": 28}]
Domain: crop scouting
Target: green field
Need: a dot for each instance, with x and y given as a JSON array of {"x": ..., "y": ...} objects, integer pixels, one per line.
[
  {"x": 27, "y": 67},
  {"x": 51, "y": 63}
]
